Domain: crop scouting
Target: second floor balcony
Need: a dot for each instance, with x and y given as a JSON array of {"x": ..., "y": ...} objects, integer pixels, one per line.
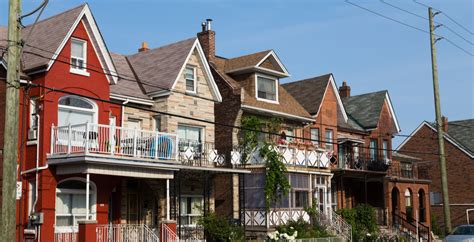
[{"x": 125, "y": 144}]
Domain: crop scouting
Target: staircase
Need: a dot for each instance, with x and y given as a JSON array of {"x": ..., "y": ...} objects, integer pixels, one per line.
[
  {"x": 407, "y": 228},
  {"x": 339, "y": 226}
]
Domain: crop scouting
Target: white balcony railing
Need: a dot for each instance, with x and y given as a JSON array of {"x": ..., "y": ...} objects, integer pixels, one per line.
[
  {"x": 126, "y": 232},
  {"x": 273, "y": 218},
  {"x": 292, "y": 156},
  {"x": 109, "y": 140}
]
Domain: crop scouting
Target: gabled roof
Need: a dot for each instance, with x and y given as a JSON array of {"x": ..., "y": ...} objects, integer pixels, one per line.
[
  {"x": 160, "y": 66},
  {"x": 366, "y": 108},
  {"x": 127, "y": 86},
  {"x": 252, "y": 62},
  {"x": 157, "y": 70},
  {"x": 310, "y": 93},
  {"x": 50, "y": 35},
  {"x": 460, "y": 133}
]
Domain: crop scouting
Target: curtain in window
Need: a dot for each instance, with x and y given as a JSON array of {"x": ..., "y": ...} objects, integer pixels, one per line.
[
  {"x": 266, "y": 88},
  {"x": 77, "y": 49}
]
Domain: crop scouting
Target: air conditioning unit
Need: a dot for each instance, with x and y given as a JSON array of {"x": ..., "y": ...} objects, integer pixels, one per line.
[{"x": 32, "y": 134}]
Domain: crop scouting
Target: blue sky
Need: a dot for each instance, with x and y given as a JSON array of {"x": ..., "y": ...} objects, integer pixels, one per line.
[{"x": 312, "y": 38}]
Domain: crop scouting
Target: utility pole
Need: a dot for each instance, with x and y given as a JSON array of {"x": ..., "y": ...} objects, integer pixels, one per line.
[
  {"x": 439, "y": 126},
  {"x": 10, "y": 147}
]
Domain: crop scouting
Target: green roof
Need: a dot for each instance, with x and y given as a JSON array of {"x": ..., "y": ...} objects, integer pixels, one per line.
[{"x": 365, "y": 109}]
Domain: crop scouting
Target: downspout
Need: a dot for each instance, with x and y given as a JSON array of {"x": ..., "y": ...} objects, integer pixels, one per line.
[{"x": 123, "y": 111}]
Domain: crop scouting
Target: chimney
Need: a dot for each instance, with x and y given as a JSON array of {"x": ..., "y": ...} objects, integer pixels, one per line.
[
  {"x": 144, "y": 47},
  {"x": 444, "y": 122},
  {"x": 207, "y": 39},
  {"x": 344, "y": 90}
]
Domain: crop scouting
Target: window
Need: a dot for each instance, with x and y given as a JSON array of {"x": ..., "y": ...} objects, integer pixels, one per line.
[
  {"x": 329, "y": 145},
  {"x": 31, "y": 195},
  {"x": 315, "y": 136},
  {"x": 190, "y": 74},
  {"x": 33, "y": 124},
  {"x": 373, "y": 149},
  {"x": 435, "y": 198},
  {"x": 133, "y": 123},
  {"x": 78, "y": 56},
  {"x": 301, "y": 199},
  {"x": 76, "y": 110},
  {"x": 385, "y": 150},
  {"x": 267, "y": 89},
  {"x": 157, "y": 119},
  {"x": 190, "y": 138},
  {"x": 290, "y": 133},
  {"x": 71, "y": 203},
  {"x": 407, "y": 170},
  {"x": 190, "y": 209}
]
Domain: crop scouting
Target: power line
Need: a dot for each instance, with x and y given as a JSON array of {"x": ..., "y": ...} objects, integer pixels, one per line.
[
  {"x": 410, "y": 26},
  {"x": 425, "y": 18},
  {"x": 447, "y": 16},
  {"x": 211, "y": 122}
]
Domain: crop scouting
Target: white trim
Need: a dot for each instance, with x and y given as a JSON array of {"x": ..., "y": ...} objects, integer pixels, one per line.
[
  {"x": 277, "y": 113},
  {"x": 79, "y": 71},
  {"x": 277, "y": 85},
  {"x": 194, "y": 91},
  {"x": 272, "y": 53},
  {"x": 100, "y": 41},
  {"x": 392, "y": 112},
  {"x": 160, "y": 93},
  {"x": 131, "y": 99},
  {"x": 446, "y": 136},
  {"x": 207, "y": 70}
]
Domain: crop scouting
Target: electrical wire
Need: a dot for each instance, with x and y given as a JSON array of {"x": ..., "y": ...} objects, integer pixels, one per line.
[
  {"x": 425, "y": 18},
  {"x": 410, "y": 26}
]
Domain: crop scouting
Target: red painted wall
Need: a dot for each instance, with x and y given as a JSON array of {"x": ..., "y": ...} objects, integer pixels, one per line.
[{"x": 96, "y": 86}]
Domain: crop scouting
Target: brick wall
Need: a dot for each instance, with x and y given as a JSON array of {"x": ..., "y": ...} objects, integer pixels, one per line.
[{"x": 459, "y": 167}]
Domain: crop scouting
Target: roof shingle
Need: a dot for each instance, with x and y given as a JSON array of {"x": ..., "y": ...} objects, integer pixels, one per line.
[{"x": 365, "y": 108}]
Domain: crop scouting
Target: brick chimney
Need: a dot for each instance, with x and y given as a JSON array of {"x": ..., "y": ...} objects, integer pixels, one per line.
[
  {"x": 444, "y": 121},
  {"x": 207, "y": 38},
  {"x": 344, "y": 90},
  {"x": 144, "y": 47}
]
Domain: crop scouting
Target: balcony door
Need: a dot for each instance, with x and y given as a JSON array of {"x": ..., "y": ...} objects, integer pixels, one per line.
[{"x": 190, "y": 140}]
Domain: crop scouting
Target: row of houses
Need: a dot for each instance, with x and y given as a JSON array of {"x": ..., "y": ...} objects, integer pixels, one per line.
[{"x": 136, "y": 141}]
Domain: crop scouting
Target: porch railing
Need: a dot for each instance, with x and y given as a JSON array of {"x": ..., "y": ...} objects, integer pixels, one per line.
[
  {"x": 66, "y": 236},
  {"x": 126, "y": 232},
  {"x": 273, "y": 218},
  {"x": 113, "y": 141},
  {"x": 361, "y": 162},
  {"x": 194, "y": 153},
  {"x": 339, "y": 226},
  {"x": 303, "y": 155}
]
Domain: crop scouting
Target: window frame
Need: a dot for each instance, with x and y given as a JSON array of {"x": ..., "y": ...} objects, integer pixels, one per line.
[
  {"x": 94, "y": 111},
  {"x": 73, "y": 69},
  {"x": 373, "y": 154},
  {"x": 276, "y": 88},
  {"x": 92, "y": 203},
  {"x": 189, "y": 215},
  {"x": 329, "y": 143},
  {"x": 315, "y": 141},
  {"x": 385, "y": 148},
  {"x": 194, "y": 91}
]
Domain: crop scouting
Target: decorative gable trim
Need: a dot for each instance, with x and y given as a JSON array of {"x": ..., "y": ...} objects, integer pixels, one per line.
[
  {"x": 446, "y": 136},
  {"x": 110, "y": 71},
  {"x": 275, "y": 57},
  {"x": 392, "y": 112},
  {"x": 207, "y": 70},
  {"x": 336, "y": 92}
]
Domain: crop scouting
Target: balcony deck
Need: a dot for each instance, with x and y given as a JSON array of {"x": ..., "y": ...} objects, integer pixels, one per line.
[{"x": 132, "y": 147}]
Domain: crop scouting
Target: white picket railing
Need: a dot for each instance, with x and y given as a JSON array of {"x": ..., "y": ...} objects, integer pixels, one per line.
[
  {"x": 273, "y": 218},
  {"x": 66, "y": 236},
  {"x": 305, "y": 156},
  {"x": 168, "y": 234},
  {"x": 91, "y": 138},
  {"x": 125, "y": 233}
]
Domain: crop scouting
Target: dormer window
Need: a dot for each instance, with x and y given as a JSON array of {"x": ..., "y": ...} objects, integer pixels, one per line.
[
  {"x": 78, "y": 56},
  {"x": 266, "y": 89},
  {"x": 190, "y": 75}
]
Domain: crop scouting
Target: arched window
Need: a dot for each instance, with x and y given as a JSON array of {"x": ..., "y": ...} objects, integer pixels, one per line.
[
  {"x": 421, "y": 204},
  {"x": 71, "y": 203},
  {"x": 76, "y": 110},
  {"x": 409, "y": 205}
]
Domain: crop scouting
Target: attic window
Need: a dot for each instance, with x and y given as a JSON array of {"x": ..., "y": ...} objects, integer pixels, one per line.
[
  {"x": 78, "y": 56},
  {"x": 266, "y": 89},
  {"x": 190, "y": 74}
]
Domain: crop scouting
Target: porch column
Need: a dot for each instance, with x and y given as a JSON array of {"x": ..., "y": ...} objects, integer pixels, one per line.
[
  {"x": 87, "y": 195},
  {"x": 167, "y": 199},
  {"x": 311, "y": 192}
]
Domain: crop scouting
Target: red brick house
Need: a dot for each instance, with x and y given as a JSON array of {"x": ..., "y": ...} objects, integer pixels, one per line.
[{"x": 459, "y": 149}]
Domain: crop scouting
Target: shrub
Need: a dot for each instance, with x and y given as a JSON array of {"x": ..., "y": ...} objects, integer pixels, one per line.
[
  {"x": 219, "y": 229},
  {"x": 302, "y": 229},
  {"x": 363, "y": 221}
]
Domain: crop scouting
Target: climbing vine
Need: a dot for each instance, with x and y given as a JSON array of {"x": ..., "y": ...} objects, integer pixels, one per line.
[{"x": 277, "y": 185}]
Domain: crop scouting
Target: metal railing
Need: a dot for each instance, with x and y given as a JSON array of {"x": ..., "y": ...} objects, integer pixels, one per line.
[
  {"x": 273, "y": 218},
  {"x": 66, "y": 236},
  {"x": 109, "y": 140},
  {"x": 411, "y": 227},
  {"x": 168, "y": 235},
  {"x": 191, "y": 233},
  {"x": 195, "y": 153},
  {"x": 125, "y": 233},
  {"x": 340, "y": 226},
  {"x": 347, "y": 161},
  {"x": 292, "y": 155}
]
